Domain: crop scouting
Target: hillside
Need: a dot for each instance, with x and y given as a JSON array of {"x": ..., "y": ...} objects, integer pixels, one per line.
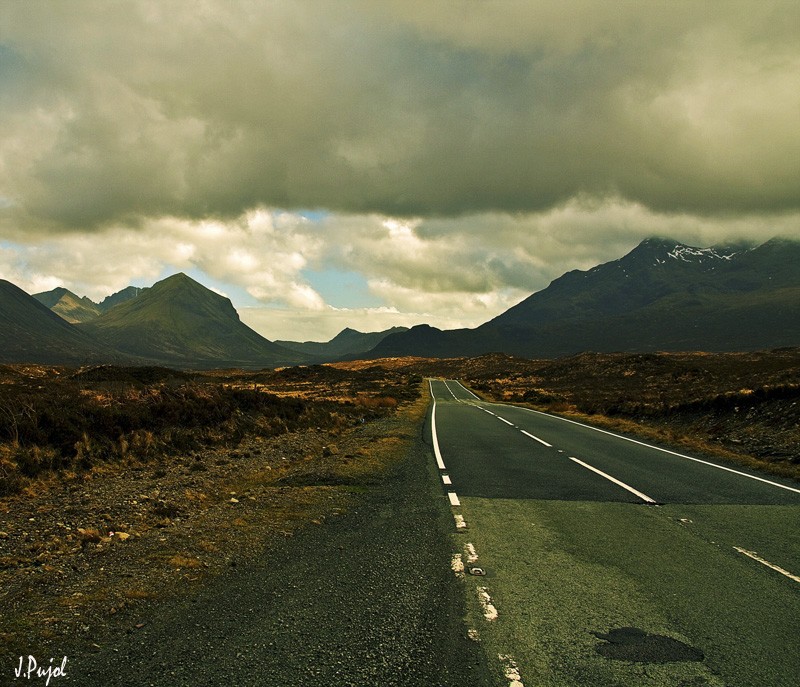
[
  {"x": 181, "y": 323},
  {"x": 663, "y": 295},
  {"x": 347, "y": 343},
  {"x": 30, "y": 332},
  {"x": 69, "y": 306},
  {"x": 126, "y": 294}
]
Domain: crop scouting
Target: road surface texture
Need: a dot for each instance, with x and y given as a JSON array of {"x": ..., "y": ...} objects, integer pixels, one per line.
[
  {"x": 603, "y": 560},
  {"x": 366, "y": 599}
]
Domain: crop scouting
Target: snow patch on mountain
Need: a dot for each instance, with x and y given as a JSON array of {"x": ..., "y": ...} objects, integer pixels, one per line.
[{"x": 691, "y": 254}]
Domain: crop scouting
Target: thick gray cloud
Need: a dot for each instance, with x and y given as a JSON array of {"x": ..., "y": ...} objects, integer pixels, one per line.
[
  {"x": 113, "y": 112},
  {"x": 461, "y": 154}
]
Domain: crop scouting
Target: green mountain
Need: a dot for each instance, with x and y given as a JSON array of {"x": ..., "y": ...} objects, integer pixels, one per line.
[
  {"x": 31, "y": 333},
  {"x": 126, "y": 294},
  {"x": 347, "y": 343},
  {"x": 663, "y": 295},
  {"x": 72, "y": 308},
  {"x": 179, "y": 322}
]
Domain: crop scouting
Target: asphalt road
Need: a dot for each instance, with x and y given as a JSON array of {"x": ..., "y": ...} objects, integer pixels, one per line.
[
  {"x": 613, "y": 561},
  {"x": 365, "y": 599}
]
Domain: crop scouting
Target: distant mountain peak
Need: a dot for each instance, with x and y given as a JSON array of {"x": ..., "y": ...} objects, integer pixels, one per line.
[
  {"x": 126, "y": 294},
  {"x": 659, "y": 250}
]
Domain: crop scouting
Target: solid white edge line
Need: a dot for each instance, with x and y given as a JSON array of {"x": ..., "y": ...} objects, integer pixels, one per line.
[
  {"x": 436, "y": 451},
  {"x": 541, "y": 441},
  {"x": 756, "y": 557},
  {"x": 467, "y": 390},
  {"x": 453, "y": 498},
  {"x": 636, "y": 492},
  {"x": 663, "y": 450}
]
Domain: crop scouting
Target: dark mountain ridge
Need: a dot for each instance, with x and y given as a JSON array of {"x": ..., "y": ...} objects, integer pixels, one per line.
[
  {"x": 347, "y": 343},
  {"x": 30, "y": 332},
  {"x": 180, "y": 322},
  {"x": 663, "y": 295},
  {"x": 68, "y": 305}
]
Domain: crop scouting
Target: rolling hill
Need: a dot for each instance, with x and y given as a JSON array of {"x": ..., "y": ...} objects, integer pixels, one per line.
[
  {"x": 663, "y": 295},
  {"x": 179, "y": 322},
  {"x": 347, "y": 343}
]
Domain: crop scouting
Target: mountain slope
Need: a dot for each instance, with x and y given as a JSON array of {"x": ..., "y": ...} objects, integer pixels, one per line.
[
  {"x": 126, "y": 294},
  {"x": 72, "y": 308},
  {"x": 31, "y": 333},
  {"x": 348, "y": 342},
  {"x": 663, "y": 295},
  {"x": 180, "y": 322}
]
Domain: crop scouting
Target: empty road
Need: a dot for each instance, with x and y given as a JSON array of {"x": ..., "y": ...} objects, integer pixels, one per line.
[{"x": 612, "y": 561}]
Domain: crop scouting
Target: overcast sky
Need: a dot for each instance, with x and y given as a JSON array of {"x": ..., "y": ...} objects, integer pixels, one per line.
[{"x": 368, "y": 163}]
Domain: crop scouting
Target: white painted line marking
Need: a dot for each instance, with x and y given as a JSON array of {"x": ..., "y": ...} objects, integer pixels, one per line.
[
  {"x": 467, "y": 390},
  {"x": 457, "y": 565},
  {"x": 446, "y": 479},
  {"x": 449, "y": 389},
  {"x": 489, "y": 611},
  {"x": 663, "y": 450},
  {"x": 541, "y": 441},
  {"x": 472, "y": 555},
  {"x": 453, "y": 498},
  {"x": 636, "y": 492},
  {"x": 460, "y": 522},
  {"x": 756, "y": 557},
  {"x": 511, "y": 670},
  {"x": 502, "y": 419},
  {"x": 436, "y": 451}
]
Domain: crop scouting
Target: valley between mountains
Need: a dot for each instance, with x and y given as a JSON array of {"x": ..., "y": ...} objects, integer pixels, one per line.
[{"x": 662, "y": 296}]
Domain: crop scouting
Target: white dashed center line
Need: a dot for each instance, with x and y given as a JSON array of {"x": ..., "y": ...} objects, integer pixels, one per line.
[
  {"x": 535, "y": 438},
  {"x": 636, "y": 492},
  {"x": 756, "y": 557}
]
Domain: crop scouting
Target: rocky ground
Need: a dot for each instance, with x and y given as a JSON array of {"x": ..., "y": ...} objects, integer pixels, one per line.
[{"x": 88, "y": 552}]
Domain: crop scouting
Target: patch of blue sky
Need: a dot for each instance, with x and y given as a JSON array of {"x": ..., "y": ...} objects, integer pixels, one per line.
[
  {"x": 341, "y": 288},
  {"x": 314, "y": 215}
]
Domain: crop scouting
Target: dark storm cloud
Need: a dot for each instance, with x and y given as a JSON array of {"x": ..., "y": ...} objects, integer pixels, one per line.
[{"x": 117, "y": 111}]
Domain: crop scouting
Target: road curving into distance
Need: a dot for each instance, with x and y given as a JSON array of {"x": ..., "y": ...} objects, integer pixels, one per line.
[{"x": 612, "y": 561}]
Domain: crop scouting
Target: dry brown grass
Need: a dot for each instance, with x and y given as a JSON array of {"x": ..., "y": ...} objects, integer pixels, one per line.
[{"x": 185, "y": 561}]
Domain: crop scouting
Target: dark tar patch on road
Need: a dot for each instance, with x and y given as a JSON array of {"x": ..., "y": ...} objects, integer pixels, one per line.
[{"x": 633, "y": 644}]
